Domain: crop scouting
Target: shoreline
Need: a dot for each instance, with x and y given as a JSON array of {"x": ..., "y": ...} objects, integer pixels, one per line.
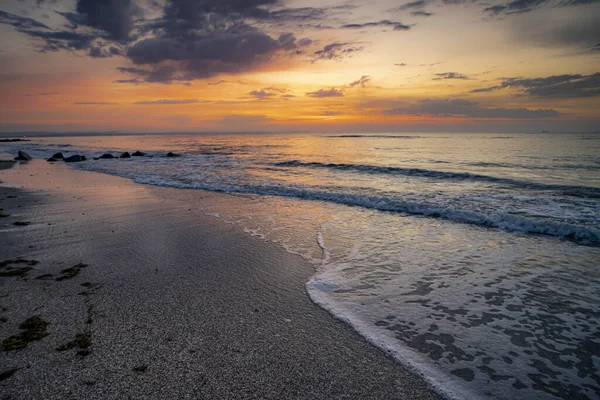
[{"x": 175, "y": 304}]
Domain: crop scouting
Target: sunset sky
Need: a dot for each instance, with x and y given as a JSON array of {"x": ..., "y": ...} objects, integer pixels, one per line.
[{"x": 299, "y": 65}]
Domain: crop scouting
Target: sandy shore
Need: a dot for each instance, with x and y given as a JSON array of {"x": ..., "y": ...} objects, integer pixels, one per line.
[{"x": 167, "y": 303}]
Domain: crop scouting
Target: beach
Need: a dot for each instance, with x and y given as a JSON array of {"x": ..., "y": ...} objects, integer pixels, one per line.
[{"x": 143, "y": 296}]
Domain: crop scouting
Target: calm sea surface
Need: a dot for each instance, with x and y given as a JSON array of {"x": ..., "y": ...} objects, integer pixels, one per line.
[{"x": 472, "y": 258}]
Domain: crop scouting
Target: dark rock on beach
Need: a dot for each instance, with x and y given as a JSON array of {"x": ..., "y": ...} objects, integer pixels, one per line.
[
  {"x": 138, "y": 154},
  {"x": 170, "y": 154},
  {"x": 13, "y": 140},
  {"x": 106, "y": 156},
  {"x": 126, "y": 155},
  {"x": 22, "y": 156},
  {"x": 52, "y": 159},
  {"x": 75, "y": 158},
  {"x": 58, "y": 156}
]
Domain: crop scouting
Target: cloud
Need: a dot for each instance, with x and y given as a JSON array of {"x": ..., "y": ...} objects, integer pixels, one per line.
[
  {"x": 167, "y": 102},
  {"x": 397, "y": 26},
  {"x": 90, "y": 37},
  {"x": 524, "y": 6},
  {"x": 217, "y": 82},
  {"x": 134, "y": 81},
  {"x": 430, "y": 65},
  {"x": 20, "y": 23},
  {"x": 450, "y": 75},
  {"x": 166, "y": 74},
  {"x": 556, "y": 86},
  {"x": 337, "y": 51},
  {"x": 412, "y": 4},
  {"x": 559, "y": 27},
  {"x": 95, "y": 103},
  {"x": 42, "y": 94},
  {"x": 361, "y": 82},
  {"x": 333, "y": 92},
  {"x": 99, "y": 52},
  {"x": 469, "y": 109},
  {"x": 261, "y": 94},
  {"x": 421, "y": 13},
  {"x": 181, "y": 40},
  {"x": 401, "y": 65},
  {"x": 113, "y": 17}
]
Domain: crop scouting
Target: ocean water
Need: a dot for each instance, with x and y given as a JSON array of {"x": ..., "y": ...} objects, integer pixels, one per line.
[{"x": 473, "y": 259}]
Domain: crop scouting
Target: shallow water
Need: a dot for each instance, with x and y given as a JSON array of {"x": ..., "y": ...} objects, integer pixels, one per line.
[{"x": 472, "y": 258}]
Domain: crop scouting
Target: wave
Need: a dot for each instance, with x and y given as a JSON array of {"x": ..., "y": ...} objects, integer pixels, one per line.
[
  {"x": 569, "y": 190},
  {"x": 510, "y": 222}
]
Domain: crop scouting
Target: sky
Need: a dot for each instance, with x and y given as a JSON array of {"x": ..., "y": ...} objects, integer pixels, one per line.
[{"x": 299, "y": 65}]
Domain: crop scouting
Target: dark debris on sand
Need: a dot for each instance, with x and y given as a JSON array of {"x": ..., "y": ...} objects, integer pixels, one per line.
[
  {"x": 69, "y": 273},
  {"x": 21, "y": 223},
  {"x": 8, "y": 268},
  {"x": 34, "y": 328},
  {"x": 81, "y": 341},
  {"x": 7, "y": 373}
]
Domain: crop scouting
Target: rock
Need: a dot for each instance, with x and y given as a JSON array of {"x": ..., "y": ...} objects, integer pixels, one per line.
[
  {"x": 126, "y": 155},
  {"x": 107, "y": 155},
  {"x": 58, "y": 156},
  {"x": 138, "y": 154},
  {"x": 22, "y": 156},
  {"x": 13, "y": 140},
  {"x": 75, "y": 158},
  {"x": 170, "y": 154},
  {"x": 52, "y": 159}
]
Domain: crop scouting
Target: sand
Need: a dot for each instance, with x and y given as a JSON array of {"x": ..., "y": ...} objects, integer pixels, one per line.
[{"x": 169, "y": 303}]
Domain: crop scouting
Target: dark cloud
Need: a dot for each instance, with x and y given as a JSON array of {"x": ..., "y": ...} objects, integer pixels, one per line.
[
  {"x": 262, "y": 94},
  {"x": 299, "y": 14},
  {"x": 421, "y": 13},
  {"x": 86, "y": 32},
  {"x": 42, "y": 94},
  {"x": 217, "y": 82},
  {"x": 164, "y": 102},
  {"x": 450, "y": 75},
  {"x": 412, "y": 4},
  {"x": 100, "y": 52},
  {"x": 523, "y": 6},
  {"x": 333, "y": 92},
  {"x": 166, "y": 74},
  {"x": 397, "y": 26},
  {"x": 575, "y": 28},
  {"x": 361, "y": 82},
  {"x": 189, "y": 39},
  {"x": 337, "y": 51},
  {"x": 469, "y": 109},
  {"x": 233, "y": 50},
  {"x": 557, "y": 86},
  {"x": 95, "y": 103},
  {"x": 114, "y": 17},
  {"x": 62, "y": 40},
  {"x": 133, "y": 81},
  {"x": 201, "y": 39},
  {"x": 401, "y": 65},
  {"x": 20, "y": 23}
]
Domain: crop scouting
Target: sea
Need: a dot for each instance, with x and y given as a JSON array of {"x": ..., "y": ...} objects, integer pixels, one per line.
[{"x": 472, "y": 259}]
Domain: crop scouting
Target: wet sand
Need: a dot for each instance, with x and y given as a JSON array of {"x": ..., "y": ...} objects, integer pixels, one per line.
[{"x": 167, "y": 304}]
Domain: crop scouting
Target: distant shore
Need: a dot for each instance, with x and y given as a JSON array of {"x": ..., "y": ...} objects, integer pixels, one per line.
[{"x": 119, "y": 290}]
